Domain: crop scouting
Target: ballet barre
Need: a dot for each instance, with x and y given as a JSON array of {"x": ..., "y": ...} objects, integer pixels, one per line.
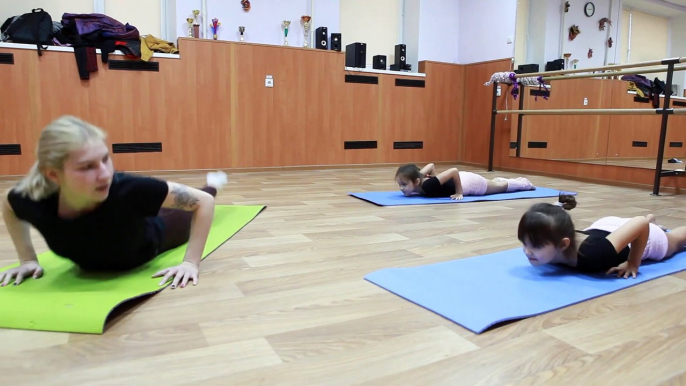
[
  {"x": 662, "y": 62},
  {"x": 610, "y": 74},
  {"x": 638, "y": 68},
  {"x": 595, "y": 112}
]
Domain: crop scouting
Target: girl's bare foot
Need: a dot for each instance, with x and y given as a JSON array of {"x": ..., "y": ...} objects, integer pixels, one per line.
[{"x": 652, "y": 220}]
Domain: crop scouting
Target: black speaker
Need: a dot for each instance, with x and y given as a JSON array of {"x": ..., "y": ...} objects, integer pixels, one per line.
[
  {"x": 321, "y": 38},
  {"x": 356, "y": 55},
  {"x": 555, "y": 65},
  {"x": 400, "y": 55},
  {"x": 336, "y": 42},
  {"x": 526, "y": 69},
  {"x": 379, "y": 62}
]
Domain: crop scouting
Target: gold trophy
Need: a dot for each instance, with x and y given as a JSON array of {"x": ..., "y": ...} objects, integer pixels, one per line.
[
  {"x": 286, "y": 23},
  {"x": 190, "y": 26},
  {"x": 306, "y": 28},
  {"x": 241, "y": 29}
]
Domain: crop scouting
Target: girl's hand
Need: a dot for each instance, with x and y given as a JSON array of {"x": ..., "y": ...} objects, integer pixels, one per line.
[
  {"x": 457, "y": 197},
  {"x": 625, "y": 269},
  {"x": 182, "y": 273},
  {"x": 30, "y": 268}
]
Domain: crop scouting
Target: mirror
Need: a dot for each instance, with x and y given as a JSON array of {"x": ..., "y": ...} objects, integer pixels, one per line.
[{"x": 590, "y": 34}]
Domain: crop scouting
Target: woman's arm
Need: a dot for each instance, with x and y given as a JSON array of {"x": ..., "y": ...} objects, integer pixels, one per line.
[
  {"x": 428, "y": 170},
  {"x": 19, "y": 231},
  {"x": 202, "y": 204},
  {"x": 453, "y": 174},
  {"x": 634, "y": 232}
]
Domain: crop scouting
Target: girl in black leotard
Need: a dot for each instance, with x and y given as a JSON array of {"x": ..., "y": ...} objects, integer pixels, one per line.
[{"x": 611, "y": 244}]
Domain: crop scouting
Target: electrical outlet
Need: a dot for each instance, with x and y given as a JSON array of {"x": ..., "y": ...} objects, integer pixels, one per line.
[
  {"x": 269, "y": 81},
  {"x": 585, "y": 101},
  {"x": 499, "y": 91}
]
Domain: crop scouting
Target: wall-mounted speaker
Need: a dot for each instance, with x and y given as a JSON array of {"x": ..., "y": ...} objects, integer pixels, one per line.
[
  {"x": 356, "y": 55},
  {"x": 379, "y": 62},
  {"x": 336, "y": 42},
  {"x": 321, "y": 38},
  {"x": 400, "y": 56}
]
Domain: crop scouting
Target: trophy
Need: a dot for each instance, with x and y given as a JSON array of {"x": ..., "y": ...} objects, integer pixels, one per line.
[
  {"x": 306, "y": 27},
  {"x": 215, "y": 26},
  {"x": 286, "y": 23},
  {"x": 567, "y": 56},
  {"x": 241, "y": 29},
  {"x": 190, "y": 26},
  {"x": 574, "y": 62},
  {"x": 196, "y": 26}
]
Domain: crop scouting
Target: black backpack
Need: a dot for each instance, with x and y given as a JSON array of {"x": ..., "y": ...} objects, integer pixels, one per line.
[{"x": 32, "y": 28}]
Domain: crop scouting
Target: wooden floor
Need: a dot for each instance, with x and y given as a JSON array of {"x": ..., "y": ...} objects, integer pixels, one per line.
[{"x": 284, "y": 302}]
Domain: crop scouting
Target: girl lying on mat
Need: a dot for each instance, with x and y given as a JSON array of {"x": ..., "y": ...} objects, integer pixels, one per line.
[
  {"x": 100, "y": 219},
  {"x": 611, "y": 244},
  {"x": 453, "y": 183}
]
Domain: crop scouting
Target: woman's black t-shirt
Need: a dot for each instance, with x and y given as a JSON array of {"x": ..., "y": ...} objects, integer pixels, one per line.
[{"x": 121, "y": 234}]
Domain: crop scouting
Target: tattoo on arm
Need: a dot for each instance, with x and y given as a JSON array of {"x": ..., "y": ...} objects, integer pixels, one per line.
[{"x": 183, "y": 198}]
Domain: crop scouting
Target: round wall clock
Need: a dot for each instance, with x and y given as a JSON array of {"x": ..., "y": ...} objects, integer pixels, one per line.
[{"x": 589, "y": 9}]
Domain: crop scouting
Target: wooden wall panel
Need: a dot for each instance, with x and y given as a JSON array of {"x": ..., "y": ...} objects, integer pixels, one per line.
[
  {"x": 442, "y": 126},
  {"x": 626, "y": 129},
  {"x": 210, "y": 108},
  {"x": 360, "y": 121},
  {"x": 476, "y": 126},
  {"x": 676, "y": 132},
  {"x": 403, "y": 118},
  {"x": 15, "y": 123},
  {"x": 202, "y": 100},
  {"x": 567, "y": 137}
]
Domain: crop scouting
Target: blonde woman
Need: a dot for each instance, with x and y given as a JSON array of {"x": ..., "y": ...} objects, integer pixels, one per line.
[{"x": 100, "y": 219}]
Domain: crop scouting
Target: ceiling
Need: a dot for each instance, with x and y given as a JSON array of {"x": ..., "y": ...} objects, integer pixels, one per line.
[{"x": 664, "y": 8}]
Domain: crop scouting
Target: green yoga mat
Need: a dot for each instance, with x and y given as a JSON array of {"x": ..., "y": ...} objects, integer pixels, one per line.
[{"x": 68, "y": 300}]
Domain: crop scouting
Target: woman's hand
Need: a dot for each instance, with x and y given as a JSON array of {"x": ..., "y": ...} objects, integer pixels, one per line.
[
  {"x": 457, "y": 197},
  {"x": 625, "y": 269},
  {"x": 24, "y": 270},
  {"x": 182, "y": 273}
]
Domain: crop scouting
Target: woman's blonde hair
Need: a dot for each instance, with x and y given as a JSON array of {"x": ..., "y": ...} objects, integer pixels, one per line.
[{"x": 56, "y": 142}]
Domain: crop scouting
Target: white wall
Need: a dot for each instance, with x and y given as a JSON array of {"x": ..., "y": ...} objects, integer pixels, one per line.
[
  {"x": 521, "y": 31},
  {"x": 538, "y": 18},
  {"x": 374, "y": 22},
  {"x": 327, "y": 14},
  {"x": 142, "y": 14},
  {"x": 549, "y": 16},
  {"x": 591, "y": 36},
  {"x": 56, "y": 8},
  {"x": 484, "y": 27},
  {"x": 678, "y": 48},
  {"x": 649, "y": 39},
  {"x": 411, "y": 16},
  {"x": 439, "y": 30},
  {"x": 263, "y": 23}
]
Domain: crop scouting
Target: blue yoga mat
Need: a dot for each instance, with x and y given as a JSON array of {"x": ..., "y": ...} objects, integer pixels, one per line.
[
  {"x": 397, "y": 198},
  {"x": 482, "y": 291}
]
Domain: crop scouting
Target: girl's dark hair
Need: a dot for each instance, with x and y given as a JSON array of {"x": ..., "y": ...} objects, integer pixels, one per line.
[
  {"x": 409, "y": 171},
  {"x": 548, "y": 224}
]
